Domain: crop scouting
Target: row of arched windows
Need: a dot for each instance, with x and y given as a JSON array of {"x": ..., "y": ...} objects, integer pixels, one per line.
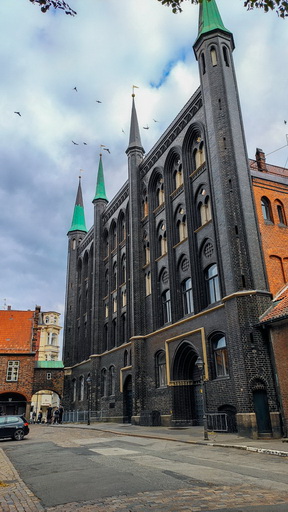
[{"x": 273, "y": 212}]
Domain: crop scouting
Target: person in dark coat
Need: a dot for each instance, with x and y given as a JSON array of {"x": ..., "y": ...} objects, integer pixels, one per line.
[
  {"x": 56, "y": 415},
  {"x": 49, "y": 414},
  {"x": 61, "y": 411},
  {"x": 39, "y": 419}
]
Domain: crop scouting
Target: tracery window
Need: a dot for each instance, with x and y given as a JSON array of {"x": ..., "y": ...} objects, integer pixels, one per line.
[{"x": 160, "y": 369}]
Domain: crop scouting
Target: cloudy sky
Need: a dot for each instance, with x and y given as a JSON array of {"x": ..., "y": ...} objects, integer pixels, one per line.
[{"x": 108, "y": 47}]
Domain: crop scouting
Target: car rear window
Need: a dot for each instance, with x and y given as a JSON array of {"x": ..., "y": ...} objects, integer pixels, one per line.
[{"x": 13, "y": 419}]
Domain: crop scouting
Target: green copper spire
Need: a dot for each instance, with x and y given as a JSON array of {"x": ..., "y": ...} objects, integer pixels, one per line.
[
  {"x": 100, "y": 186},
  {"x": 78, "y": 221},
  {"x": 209, "y": 18}
]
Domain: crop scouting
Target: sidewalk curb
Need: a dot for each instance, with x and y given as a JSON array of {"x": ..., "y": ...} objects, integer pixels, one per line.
[{"x": 267, "y": 451}]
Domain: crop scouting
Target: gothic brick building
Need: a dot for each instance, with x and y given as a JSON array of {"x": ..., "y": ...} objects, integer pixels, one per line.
[{"x": 172, "y": 271}]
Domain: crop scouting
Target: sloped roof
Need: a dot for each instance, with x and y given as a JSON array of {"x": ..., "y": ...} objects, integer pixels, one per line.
[
  {"x": 279, "y": 308},
  {"x": 49, "y": 364},
  {"x": 16, "y": 330}
]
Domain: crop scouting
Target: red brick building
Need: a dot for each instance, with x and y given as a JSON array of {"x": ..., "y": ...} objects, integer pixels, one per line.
[
  {"x": 19, "y": 339},
  {"x": 275, "y": 321},
  {"x": 270, "y": 187}
]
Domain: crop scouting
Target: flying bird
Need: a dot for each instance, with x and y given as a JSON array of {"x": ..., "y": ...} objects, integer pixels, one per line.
[
  {"x": 107, "y": 149},
  {"x": 17, "y": 113},
  {"x": 285, "y": 122},
  {"x": 146, "y": 127},
  {"x": 75, "y": 89},
  {"x": 155, "y": 121},
  {"x": 97, "y": 101},
  {"x": 75, "y": 143},
  {"x": 85, "y": 143},
  {"x": 123, "y": 131}
]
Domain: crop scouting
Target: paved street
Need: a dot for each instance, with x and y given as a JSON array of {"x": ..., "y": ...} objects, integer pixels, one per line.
[{"x": 77, "y": 469}]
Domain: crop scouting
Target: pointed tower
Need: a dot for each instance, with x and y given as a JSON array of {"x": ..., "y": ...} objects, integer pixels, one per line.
[
  {"x": 235, "y": 219},
  {"x": 135, "y": 154},
  {"x": 75, "y": 234},
  {"x": 100, "y": 202}
]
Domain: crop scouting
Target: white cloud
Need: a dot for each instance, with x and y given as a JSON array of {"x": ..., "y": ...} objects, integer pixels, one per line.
[{"x": 108, "y": 47}]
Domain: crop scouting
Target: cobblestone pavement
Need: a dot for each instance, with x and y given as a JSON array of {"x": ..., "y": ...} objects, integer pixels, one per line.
[
  {"x": 15, "y": 496},
  {"x": 203, "y": 499}
]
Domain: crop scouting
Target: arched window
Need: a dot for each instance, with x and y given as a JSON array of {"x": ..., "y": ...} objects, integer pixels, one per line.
[
  {"x": 106, "y": 283},
  {"x": 199, "y": 155},
  {"x": 226, "y": 56},
  {"x": 147, "y": 253},
  {"x": 124, "y": 297},
  {"x": 205, "y": 211},
  {"x": 178, "y": 176},
  {"x": 122, "y": 229},
  {"x": 114, "y": 236},
  {"x": 160, "y": 193},
  {"x": 74, "y": 390},
  {"x": 123, "y": 328},
  {"x": 220, "y": 355},
  {"x": 103, "y": 382},
  {"x": 114, "y": 301},
  {"x": 203, "y": 63},
  {"x": 145, "y": 207},
  {"x": 106, "y": 244},
  {"x": 114, "y": 275},
  {"x": 125, "y": 358},
  {"x": 112, "y": 380},
  {"x": 280, "y": 213},
  {"x": 166, "y": 307},
  {"x": 81, "y": 388},
  {"x": 213, "y": 286},
  {"x": 148, "y": 283},
  {"x": 162, "y": 240},
  {"x": 187, "y": 295},
  {"x": 160, "y": 369},
  {"x": 266, "y": 209},
  {"x": 114, "y": 332},
  {"x": 106, "y": 337},
  {"x": 123, "y": 268},
  {"x": 213, "y": 56}
]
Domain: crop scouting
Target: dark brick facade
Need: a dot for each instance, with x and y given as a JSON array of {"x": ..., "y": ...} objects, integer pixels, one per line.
[{"x": 172, "y": 270}]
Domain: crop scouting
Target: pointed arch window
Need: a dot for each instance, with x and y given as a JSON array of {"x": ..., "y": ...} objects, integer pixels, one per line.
[
  {"x": 280, "y": 213},
  {"x": 213, "y": 285},
  {"x": 112, "y": 375},
  {"x": 213, "y": 56},
  {"x": 166, "y": 307},
  {"x": 187, "y": 295},
  {"x": 199, "y": 155},
  {"x": 160, "y": 369},
  {"x": 123, "y": 328},
  {"x": 226, "y": 56},
  {"x": 220, "y": 355},
  {"x": 114, "y": 275},
  {"x": 81, "y": 388},
  {"x": 74, "y": 390},
  {"x": 266, "y": 209},
  {"x": 148, "y": 283},
  {"x": 103, "y": 382},
  {"x": 145, "y": 207}
]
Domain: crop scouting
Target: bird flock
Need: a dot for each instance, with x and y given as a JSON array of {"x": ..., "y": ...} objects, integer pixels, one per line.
[{"x": 103, "y": 146}]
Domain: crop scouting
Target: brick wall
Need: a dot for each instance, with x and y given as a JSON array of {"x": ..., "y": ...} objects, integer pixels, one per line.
[{"x": 274, "y": 234}]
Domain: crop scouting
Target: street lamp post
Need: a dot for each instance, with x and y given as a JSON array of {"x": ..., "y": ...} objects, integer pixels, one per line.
[
  {"x": 89, "y": 383},
  {"x": 200, "y": 365}
]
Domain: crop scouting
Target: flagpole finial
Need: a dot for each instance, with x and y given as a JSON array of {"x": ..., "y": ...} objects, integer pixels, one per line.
[{"x": 133, "y": 92}]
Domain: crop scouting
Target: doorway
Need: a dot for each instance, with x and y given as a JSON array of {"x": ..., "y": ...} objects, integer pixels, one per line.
[{"x": 127, "y": 400}]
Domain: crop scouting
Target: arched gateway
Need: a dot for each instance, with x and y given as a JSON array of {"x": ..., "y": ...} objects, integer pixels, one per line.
[{"x": 186, "y": 382}]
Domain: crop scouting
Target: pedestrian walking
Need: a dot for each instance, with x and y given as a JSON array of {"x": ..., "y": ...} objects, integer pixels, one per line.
[
  {"x": 40, "y": 414},
  {"x": 49, "y": 414},
  {"x": 61, "y": 411},
  {"x": 56, "y": 416},
  {"x": 34, "y": 417}
]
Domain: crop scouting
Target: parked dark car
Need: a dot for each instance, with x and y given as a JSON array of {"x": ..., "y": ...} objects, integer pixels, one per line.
[{"x": 15, "y": 427}]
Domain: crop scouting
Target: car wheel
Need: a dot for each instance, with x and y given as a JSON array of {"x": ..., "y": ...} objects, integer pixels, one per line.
[{"x": 18, "y": 435}]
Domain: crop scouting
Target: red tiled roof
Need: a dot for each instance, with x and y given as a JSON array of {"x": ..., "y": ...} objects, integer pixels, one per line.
[
  {"x": 279, "y": 308},
  {"x": 16, "y": 330},
  {"x": 272, "y": 169}
]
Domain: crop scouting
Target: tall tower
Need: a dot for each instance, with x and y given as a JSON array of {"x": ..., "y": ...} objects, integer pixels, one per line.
[
  {"x": 235, "y": 218},
  {"x": 135, "y": 154},
  {"x": 100, "y": 201},
  {"x": 75, "y": 234}
]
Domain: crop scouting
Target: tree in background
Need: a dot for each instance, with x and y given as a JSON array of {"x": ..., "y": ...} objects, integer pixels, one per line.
[{"x": 280, "y": 6}]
